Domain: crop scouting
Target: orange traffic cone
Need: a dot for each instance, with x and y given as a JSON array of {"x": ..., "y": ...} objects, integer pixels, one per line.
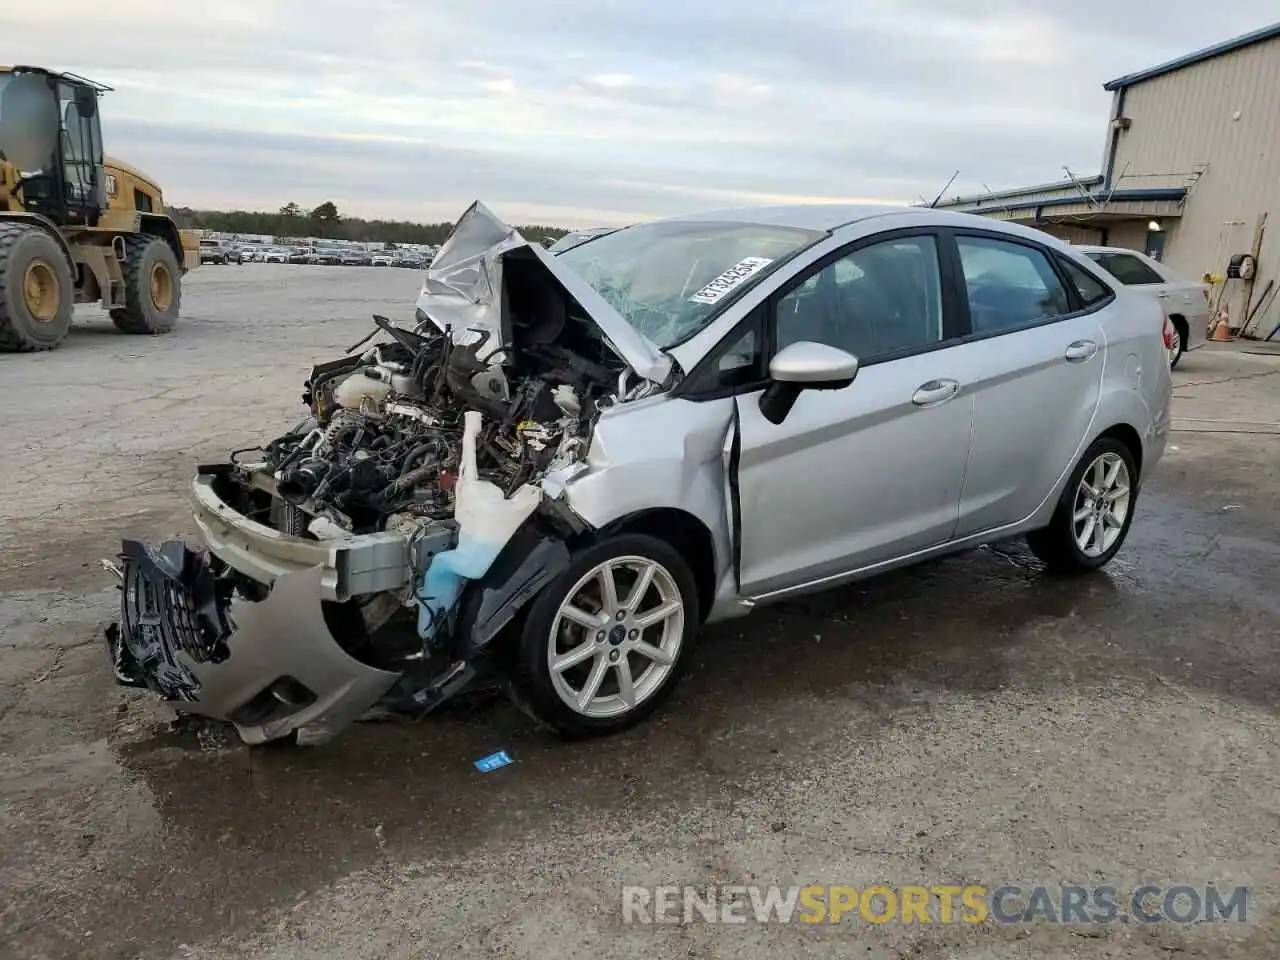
[{"x": 1221, "y": 327}]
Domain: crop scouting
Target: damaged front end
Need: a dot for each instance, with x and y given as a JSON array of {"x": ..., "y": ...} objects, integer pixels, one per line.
[
  {"x": 371, "y": 555},
  {"x": 270, "y": 664}
]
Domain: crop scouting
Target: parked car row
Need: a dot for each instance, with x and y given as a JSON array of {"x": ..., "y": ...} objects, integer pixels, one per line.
[{"x": 219, "y": 252}]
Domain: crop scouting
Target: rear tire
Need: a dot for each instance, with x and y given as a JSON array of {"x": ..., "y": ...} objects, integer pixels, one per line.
[
  {"x": 37, "y": 293},
  {"x": 1179, "y": 347},
  {"x": 636, "y": 665},
  {"x": 152, "y": 287},
  {"x": 1094, "y": 512}
]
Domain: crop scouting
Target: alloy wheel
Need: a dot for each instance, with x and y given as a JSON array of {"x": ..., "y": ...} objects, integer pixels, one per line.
[
  {"x": 1101, "y": 505},
  {"x": 1173, "y": 344},
  {"x": 616, "y": 636}
]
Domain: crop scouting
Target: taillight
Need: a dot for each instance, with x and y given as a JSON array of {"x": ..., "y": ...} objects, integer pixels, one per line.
[{"x": 1167, "y": 332}]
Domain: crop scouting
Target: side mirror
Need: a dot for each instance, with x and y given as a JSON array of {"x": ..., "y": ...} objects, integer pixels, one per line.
[{"x": 804, "y": 366}]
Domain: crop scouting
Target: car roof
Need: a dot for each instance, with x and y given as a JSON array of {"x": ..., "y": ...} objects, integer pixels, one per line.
[{"x": 1094, "y": 248}]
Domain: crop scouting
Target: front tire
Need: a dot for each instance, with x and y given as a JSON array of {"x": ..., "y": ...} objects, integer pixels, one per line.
[
  {"x": 37, "y": 294},
  {"x": 152, "y": 287},
  {"x": 606, "y": 643},
  {"x": 1094, "y": 512}
]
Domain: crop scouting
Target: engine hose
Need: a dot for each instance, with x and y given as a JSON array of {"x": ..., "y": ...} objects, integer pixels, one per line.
[
  {"x": 407, "y": 481},
  {"x": 336, "y": 425},
  {"x": 407, "y": 463},
  {"x": 308, "y": 443}
]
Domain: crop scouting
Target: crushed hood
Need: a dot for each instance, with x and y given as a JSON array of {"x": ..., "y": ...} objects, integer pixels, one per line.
[{"x": 463, "y": 291}]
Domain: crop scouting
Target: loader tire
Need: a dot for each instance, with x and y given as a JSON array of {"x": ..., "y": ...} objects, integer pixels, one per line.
[
  {"x": 37, "y": 294},
  {"x": 152, "y": 287}
]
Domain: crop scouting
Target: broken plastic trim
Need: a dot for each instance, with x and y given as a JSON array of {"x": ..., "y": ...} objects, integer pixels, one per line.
[
  {"x": 169, "y": 604},
  {"x": 530, "y": 561}
]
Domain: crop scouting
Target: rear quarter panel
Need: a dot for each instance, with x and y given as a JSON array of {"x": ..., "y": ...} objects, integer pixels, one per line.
[{"x": 1137, "y": 388}]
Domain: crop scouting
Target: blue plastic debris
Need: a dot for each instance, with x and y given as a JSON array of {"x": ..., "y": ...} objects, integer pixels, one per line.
[{"x": 493, "y": 761}]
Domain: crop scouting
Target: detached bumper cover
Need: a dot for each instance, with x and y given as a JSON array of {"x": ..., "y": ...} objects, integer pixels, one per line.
[{"x": 269, "y": 666}]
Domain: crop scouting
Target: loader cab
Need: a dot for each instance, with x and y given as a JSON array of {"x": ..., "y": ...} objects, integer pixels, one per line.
[{"x": 51, "y": 146}]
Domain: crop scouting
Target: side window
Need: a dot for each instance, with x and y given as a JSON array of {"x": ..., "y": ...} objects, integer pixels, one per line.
[
  {"x": 1129, "y": 270},
  {"x": 878, "y": 300},
  {"x": 1009, "y": 285},
  {"x": 1091, "y": 289},
  {"x": 740, "y": 363},
  {"x": 737, "y": 361}
]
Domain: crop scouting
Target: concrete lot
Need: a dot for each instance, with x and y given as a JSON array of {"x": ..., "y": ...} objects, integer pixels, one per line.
[{"x": 969, "y": 721}]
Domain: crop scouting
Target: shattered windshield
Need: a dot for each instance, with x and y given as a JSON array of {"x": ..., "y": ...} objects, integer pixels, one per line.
[{"x": 668, "y": 279}]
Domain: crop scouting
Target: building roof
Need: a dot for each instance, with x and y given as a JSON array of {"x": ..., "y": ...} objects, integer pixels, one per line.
[
  {"x": 1020, "y": 192},
  {"x": 1101, "y": 200},
  {"x": 1208, "y": 53}
]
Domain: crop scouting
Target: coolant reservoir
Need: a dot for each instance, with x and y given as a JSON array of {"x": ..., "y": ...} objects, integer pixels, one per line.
[
  {"x": 359, "y": 392},
  {"x": 486, "y": 518}
]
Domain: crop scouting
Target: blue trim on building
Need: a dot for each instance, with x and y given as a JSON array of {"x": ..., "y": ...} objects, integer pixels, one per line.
[{"x": 1208, "y": 53}]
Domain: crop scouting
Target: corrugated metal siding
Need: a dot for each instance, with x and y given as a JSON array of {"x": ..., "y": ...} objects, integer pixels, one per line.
[
  {"x": 1072, "y": 233},
  {"x": 1185, "y": 119},
  {"x": 1131, "y": 234}
]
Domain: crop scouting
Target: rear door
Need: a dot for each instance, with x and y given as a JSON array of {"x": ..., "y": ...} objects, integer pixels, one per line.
[{"x": 1035, "y": 378}]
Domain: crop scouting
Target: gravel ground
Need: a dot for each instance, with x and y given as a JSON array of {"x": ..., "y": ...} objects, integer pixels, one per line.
[{"x": 968, "y": 721}]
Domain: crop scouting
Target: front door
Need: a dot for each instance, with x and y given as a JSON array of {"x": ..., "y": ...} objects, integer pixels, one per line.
[{"x": 856, "y": 477}]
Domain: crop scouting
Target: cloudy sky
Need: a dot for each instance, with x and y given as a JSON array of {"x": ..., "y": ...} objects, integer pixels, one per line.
[{"x": 585, "y": 112}]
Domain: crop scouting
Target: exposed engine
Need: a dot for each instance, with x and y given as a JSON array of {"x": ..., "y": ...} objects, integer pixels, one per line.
[{"x": 383, "y": 443}]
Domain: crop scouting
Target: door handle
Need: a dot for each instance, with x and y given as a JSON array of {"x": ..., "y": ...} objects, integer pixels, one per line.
[
  {"x": 934, "y": 392},
  {"x": 1081, "y": 350},
  {"x": 1162, "y": 296}
]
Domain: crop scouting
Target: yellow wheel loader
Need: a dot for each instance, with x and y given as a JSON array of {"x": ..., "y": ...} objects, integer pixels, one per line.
[{"x": 76, "y": 226}]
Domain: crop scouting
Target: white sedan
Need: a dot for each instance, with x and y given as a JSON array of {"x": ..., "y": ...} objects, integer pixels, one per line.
[{"x": 1185, "y": 302}]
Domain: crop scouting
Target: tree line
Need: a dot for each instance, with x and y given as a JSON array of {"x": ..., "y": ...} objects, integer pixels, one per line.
[{"x": 327, "y": 223}]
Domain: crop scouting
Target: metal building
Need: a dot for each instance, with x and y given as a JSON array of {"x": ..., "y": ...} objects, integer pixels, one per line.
[{"x": 1191, "y": 164}]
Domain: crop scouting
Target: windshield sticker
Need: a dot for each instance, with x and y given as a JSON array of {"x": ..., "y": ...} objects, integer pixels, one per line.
[{"x": 715, "y": 291}]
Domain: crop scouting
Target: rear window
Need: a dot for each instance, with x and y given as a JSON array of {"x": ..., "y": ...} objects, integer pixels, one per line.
[
  {"x": 1091, "y": 289},
  {"x": 1126, "y": 268}
]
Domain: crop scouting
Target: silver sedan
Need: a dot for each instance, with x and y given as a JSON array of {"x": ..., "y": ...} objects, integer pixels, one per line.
[{"x": 687, "y": 419}]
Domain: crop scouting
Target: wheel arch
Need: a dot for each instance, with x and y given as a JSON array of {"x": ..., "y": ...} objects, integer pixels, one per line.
[
  {"x": 164, "y": 228},
  {"x": 684, "y": 533},
  {"x": 45, "y": 224},
  {"x": 1128, "y": 435}
]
